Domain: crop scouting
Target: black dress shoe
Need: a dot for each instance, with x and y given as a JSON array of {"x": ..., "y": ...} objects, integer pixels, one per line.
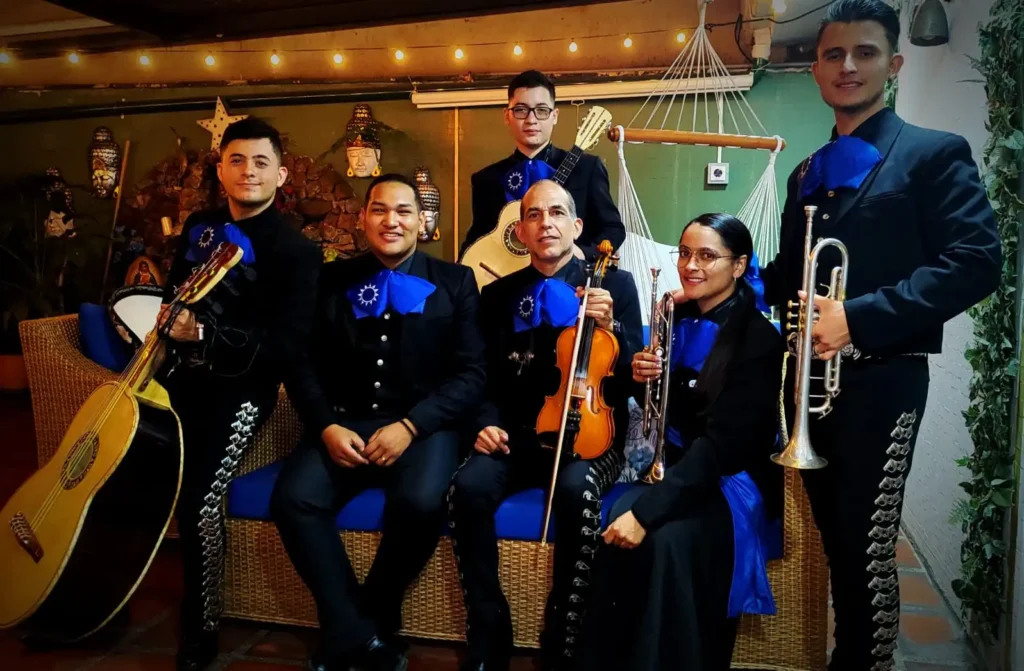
[
  {"x": 197, "y": 651},
  {"x": 376, "y": 655}
]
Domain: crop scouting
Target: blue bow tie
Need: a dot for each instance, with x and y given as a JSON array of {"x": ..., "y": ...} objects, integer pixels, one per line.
[
  {"x": 692, "y": 340},
  {"x": 843, "y": 163},
  {"x": 523, "y": 175},
  {"x": 203, "y": 241},
  {"x": 389, "y": 288},
  {"x": 548, "y": 301}
]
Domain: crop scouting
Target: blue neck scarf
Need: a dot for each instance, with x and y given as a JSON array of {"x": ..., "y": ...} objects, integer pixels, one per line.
[
  {"x": 547, "y": 301},
  {"x": 203, "y": 241},
  {"x": 401, "y": 292},
  {"x": 753, "y": 278},
  {"x": 843, "y": 163},
  {"x": 523, "y": 175},
  {"x": 750, "y": 592}
]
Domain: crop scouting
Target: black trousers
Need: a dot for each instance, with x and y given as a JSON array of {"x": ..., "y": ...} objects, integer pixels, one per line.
[
  {"x": 218, "y": 426},
  {"x": 310, "y": 492},
  {"x": 478, "y": 488},
  {"x": 868, "y": 440}
]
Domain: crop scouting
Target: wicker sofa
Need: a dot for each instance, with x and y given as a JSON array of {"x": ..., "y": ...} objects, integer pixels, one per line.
[{"x": 261, "y": 584}]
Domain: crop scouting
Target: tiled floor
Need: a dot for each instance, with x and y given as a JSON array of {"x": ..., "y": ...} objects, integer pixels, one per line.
[{"x": 144, "y": 637}]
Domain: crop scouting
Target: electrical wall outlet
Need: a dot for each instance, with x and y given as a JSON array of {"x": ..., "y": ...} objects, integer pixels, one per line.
[{"x": 718, "y": 174}]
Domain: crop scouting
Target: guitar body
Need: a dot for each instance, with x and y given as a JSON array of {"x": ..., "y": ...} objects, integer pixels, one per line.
[
  {"x": 77, "y": 537},
  {"x": 500, "y": 252}
]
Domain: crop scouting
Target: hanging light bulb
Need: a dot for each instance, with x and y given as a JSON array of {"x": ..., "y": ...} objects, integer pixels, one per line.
[
  {"x": 5, "y": 58},
  {"x": 929, "y": 26},
  {"x": 517, "y": 50},
  {"x": 459, "y": 54},
  {"x": 275, "y": 59},
  {"x": 210, "y": 60},
  {"x": 680, "y": 37},
  {"x": 399, "y": 54},
  {"x": 338, "y": 59},
  {"x": 779, "y": 6},
  {"x": 573, "y": 46},
  {"x": 73, "y": 58},
  {"x": 628, "y": 42},
  {"x": 144, "y": 60}
]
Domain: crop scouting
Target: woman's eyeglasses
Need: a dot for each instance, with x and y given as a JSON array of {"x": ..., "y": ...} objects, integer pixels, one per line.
[
  {"x": 522, "y": 112},
  {"x": 706, "y": 258}
]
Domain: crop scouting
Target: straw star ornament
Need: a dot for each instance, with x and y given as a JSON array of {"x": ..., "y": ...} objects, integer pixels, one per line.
[{"x": 219, "y": 123}]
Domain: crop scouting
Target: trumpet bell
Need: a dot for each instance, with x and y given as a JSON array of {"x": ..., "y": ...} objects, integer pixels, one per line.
[{"x": 799, "y": 454}]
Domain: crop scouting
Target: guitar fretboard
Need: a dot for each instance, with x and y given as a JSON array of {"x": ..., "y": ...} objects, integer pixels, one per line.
[{"x": 568, "y": 163}]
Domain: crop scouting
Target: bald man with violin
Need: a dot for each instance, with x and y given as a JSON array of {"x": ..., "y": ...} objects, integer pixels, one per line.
[{"x": 522, "y": 316}]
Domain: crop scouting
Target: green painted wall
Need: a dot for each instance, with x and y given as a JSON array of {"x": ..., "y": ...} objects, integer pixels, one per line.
[{"x": 669, "y": 180}]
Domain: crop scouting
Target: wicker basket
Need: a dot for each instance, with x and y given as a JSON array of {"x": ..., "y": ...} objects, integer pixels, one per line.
[{"x": 260, "y": 583}]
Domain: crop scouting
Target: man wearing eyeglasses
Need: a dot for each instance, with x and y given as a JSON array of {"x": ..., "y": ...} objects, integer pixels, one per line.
[{"x": 531, "y": 116}]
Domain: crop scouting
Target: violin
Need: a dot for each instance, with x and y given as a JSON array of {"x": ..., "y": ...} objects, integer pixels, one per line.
[{"x": 586, "y": 355}]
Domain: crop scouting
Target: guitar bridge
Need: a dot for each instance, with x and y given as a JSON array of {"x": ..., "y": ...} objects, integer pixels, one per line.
[{"x": 26, "y": 537}]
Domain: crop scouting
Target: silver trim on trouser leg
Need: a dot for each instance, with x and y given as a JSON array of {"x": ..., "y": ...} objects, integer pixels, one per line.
[
  {"x": 211, "y": 516},
  {"x": 603, "y": 473},
  {"x": 882, "y": 549}
]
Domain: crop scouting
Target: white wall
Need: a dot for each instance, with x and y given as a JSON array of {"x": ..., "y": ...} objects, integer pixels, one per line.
[{"x": 939, "y": 89}]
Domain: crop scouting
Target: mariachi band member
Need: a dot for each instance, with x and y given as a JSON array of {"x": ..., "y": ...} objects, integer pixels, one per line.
[
  {"x": 395, "y": 365},
  {"x": 522, "y": 316},
  {"x": 687, "y": 556},
  {"x": 225, "y": 367},
  {"x": 923, "y": 247},
  {"x": 531, "y": 115}
]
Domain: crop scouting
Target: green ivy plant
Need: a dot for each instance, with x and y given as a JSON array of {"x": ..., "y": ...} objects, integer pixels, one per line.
[{"x": 991, "y": 488}]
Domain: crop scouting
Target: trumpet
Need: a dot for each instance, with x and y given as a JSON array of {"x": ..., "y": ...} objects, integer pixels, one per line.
[
  {"x": 656, "y": 391},
  {"x": 798, "y": 452}
]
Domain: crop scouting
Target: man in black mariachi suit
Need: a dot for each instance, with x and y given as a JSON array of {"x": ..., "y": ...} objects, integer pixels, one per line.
[
  {"x": 531, "y": 117},
  {"x": 396, "y": 365},
  {"x": 908, "y": 204},
  {"x": 522, "y": 316},
  {"x": 226, "y": 365}
]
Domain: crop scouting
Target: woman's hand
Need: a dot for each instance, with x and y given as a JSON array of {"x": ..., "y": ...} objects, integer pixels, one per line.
[
  {"x": 646, "y": 365},
  {"x": 625, "y": 531}
]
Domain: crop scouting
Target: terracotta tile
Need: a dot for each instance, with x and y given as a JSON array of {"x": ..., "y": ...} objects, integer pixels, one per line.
[
  {"x": 62, "y": 660},
  {"x": 905, "y": 556},
  {"x": 236, "y": 633},
  {"x": 926, "y": 629},
  {"x": 163, "y": 634},
  {"x": 144, "y": 608},
  {"x": 246, "y": 665},
  {"x": 136, "y": 662},
  {"x": 284, "y": 645},
  {"x": 916, "y": 590}
]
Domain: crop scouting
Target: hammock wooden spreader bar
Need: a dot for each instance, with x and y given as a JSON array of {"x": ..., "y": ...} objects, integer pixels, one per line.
[{"x": 697, "y": 138}]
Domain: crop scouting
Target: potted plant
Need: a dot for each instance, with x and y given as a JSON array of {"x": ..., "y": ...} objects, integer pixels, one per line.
[{"x": 39, "y": 250}]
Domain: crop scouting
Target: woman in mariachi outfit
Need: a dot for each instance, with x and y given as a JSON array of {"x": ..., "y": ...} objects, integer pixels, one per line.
[{"x": 688, "y": 553}]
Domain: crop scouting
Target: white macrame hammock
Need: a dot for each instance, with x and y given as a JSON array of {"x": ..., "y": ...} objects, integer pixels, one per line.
[{"x": 696, "y": 71}]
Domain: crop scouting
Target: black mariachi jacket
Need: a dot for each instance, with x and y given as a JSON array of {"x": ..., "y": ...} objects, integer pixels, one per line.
[
  {"x": 920, "y": 233},
  {"x": 588, "y": 184},
  {"x": 521, "y": 367},
  {"x": 435, "y": 360},
  {"x": 260, "y": 331}
]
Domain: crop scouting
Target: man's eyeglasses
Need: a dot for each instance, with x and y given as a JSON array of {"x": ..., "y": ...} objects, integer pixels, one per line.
[
  {"x": 522, "y": 112},
  {"x": 706, "y": 258}
]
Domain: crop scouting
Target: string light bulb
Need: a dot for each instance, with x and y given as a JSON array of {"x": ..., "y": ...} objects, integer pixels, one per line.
[
  {"x": 73, "y": 58},
  {"x": 275, "y": 59},
  {"x": 399, "y": 54},
  {"x": 210, "y": 60},
  {"x": 573, "y": 47},
  {"x": 628, "y": 42},
  {"x": 779, "y": 6},
  {"x": 338, "y": 59},
  {"x": 145, "y": 60},
  {"x": 459, "y": 54},
  {"x": 680, "y": 37},
  {"x": 517, "y": 50}
]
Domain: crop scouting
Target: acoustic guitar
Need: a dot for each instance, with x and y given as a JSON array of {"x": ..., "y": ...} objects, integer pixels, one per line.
[
  {"x": 78, "y": 536},
  {"x": 500, "y": 252}
]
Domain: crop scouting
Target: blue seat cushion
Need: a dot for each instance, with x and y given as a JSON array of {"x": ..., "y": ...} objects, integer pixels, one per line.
[
  {"x": 520, "y": 516},
  {"x": 100, "y": 341}
]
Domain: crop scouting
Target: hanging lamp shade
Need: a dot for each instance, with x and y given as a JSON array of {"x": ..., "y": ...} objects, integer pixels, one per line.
[{"x": 930, "y": 27}]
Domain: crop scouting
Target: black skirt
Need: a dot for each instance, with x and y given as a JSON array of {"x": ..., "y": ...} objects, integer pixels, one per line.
[{"x": 664, "y": 604}]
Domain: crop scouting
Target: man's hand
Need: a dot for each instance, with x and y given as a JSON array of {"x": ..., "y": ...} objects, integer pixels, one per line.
[
  {"x": 646, "y": 366},
  {"x": 599, "y": 306},
  {"x": 491, "y": 439},
  {"x": 344, "y": 446},
  {"x": 625, "y": 531},
  {"x": 388, "y": 443},
  {"x": 830, "y": 333},
  {"x": 184, "y": 328}
]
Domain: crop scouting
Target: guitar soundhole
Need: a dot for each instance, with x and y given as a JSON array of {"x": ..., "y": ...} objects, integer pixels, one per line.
[
  {"x": 80, "y": 460},
  {"x": 513, "y": 245}
]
